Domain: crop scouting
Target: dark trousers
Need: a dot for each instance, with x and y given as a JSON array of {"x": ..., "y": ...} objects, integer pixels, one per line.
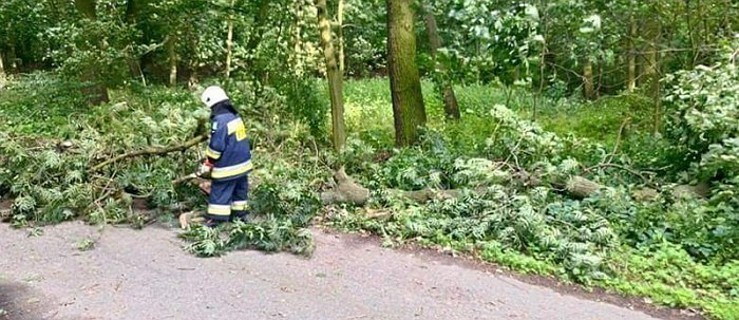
[{"x": 228, "y": 199}]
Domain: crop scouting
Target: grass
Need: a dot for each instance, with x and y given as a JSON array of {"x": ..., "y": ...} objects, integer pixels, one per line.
[{"x": 598, "y": 120}]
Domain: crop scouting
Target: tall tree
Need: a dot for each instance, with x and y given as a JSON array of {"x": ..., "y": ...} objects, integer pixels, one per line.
[
  {"x": 229, "y": 39},
  {"x": 631, "y": 55},
  {"x": 2, "y": 68},
  {"x": 589, "y": 87},
  {"x": 340, "y": 22},
  {"x": 652, "y": 61},
  {"x": 443, "y": 83},
  {"x": 172, "y": 54},
  {"x": 97, "y": 92},
  {"x": 333, "y": 73},
  {"x": 409, "y": 110}
]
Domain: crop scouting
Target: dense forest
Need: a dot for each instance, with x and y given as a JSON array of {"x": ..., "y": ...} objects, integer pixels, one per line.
[{"x": 595, "y": 141}]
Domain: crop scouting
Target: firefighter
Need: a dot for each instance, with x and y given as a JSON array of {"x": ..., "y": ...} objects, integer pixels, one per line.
[{"x": 228, "y": 160}]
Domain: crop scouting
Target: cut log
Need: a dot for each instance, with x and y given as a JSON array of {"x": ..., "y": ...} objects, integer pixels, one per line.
[
  {"x": 348, "y": 191},
  {"x": 345, "y": 191},
  {"x": 699, "y": 191},
  {"x": 645, "y": 195},
  {"x": 581, "y": 187}
]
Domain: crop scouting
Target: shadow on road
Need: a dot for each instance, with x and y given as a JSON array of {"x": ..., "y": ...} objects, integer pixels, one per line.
[{"x": 19, "y": 302}]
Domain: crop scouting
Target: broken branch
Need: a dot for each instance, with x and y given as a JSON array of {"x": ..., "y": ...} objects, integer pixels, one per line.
[{"x": 152, "y": 151}]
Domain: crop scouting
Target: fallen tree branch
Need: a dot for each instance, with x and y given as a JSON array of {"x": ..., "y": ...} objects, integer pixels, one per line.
[
  {"x": 617, "y": 166},
  {"x": 184, "y": 179},
  {"x": 152, "y": 151},
  {"x": 348, "y": 191},
  {"x": 619, "y": 138}
]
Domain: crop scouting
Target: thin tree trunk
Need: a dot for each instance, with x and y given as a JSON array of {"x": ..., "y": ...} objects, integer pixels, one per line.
[
  {"x": 12, "y": 58},
  {"x": 342, "y": 59},
  {"x": 229, "y": 41},
  {"x": 172, "y": 52},
  {"x": 588, "y": 79},
  {"x": 631, "y": 77},
  {"x": 542, "y": 78},
  {"x": 405, "y": 83},
  {"x": 2, "y": 68},
  {"x": 333, "y": 74},
  {"x": 652, "y": 70},
  {"x": 87, "y": 8},
  {"x": 451, "y": 107},
  {"x": 97, "y": 92},
  {"x": 134, "y": 63},
  {"x": 255, "y": 38}
]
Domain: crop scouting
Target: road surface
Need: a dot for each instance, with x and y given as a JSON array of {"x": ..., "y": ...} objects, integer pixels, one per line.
[{"x": 144, "y": 274}]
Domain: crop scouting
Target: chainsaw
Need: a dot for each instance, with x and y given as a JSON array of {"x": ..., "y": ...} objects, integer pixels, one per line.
[{"x": 187, "y": 218}]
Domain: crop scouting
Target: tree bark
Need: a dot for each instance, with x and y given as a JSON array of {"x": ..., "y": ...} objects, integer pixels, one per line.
[
  {"x": 172, "y": 52},
  {"x": 342, "y": 59},
  {"x": 588, "y": 79},
  {"x": 333, "y": 74},
  {"x": 229, "y": 41},
  {"x": 652, "y": 70},
  {"x": 2, "y": 68},
  {"x": 451, "y": 107},
  {"x": 405, "y": 83},
  {"x": 631, "y": 77}
]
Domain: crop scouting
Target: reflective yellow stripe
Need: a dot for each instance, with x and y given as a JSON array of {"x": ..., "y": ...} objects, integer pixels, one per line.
[
  {"x": 232, "y": 171},
  {"x": 239, "y": 206},
  {"x": 219, "y": 210},
  {"x": 212, "y": 153},
  {"x": 237, "y": 126}
]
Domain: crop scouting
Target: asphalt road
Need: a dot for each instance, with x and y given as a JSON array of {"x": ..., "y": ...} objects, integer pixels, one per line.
[{"x": 145, "y": 274}]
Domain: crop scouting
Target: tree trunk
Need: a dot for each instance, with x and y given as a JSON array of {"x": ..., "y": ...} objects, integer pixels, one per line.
[
  {"x": 542, "y": 78},
  {"x": 334, "y": 76},
  {"x": 134, "y": 62},
  {"x": 631, "y": 77},
  {"x": 2, "y": 68},
  {"x": 132, "y": 11},
  {"x": 96, "y": 92},
  {"x": 405, "y": 83},
  {"x": 588, "y": 79},
  {"x": 652, "y": 70},
  {"x": 229, "y": 41},
  {"x": 342, "y": 59},
  {"x": 451, "y": 107},
  {"x": 172, "y": 50},
  {"x": 255, "y": 38},
  {"x": 87, "y": 8}
]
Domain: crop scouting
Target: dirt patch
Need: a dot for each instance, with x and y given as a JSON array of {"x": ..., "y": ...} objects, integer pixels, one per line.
[{"x": 475, "y": 263}]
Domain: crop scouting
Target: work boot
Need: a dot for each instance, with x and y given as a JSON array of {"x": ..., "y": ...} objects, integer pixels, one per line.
[
  {"x": 210, "y": 223},
  {"x": 243, "y": 218}
]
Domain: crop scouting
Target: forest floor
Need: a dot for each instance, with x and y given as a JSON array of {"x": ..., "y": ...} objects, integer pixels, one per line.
[{"x": 75, "y": 271}]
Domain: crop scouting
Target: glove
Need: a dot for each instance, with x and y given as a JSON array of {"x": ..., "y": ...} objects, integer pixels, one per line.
[{"x": 206, "y": 167}]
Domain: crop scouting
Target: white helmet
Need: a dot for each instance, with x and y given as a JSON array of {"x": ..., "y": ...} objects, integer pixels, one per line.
[{"x": 213, "y": 95}]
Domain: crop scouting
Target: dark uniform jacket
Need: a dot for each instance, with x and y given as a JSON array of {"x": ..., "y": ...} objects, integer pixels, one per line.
[{"x": 229, "y": 148}]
